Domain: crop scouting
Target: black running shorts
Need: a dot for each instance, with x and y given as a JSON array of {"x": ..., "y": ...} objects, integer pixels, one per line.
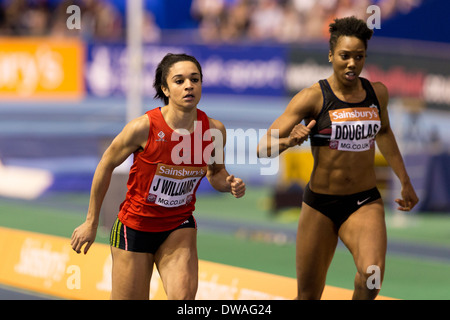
[
  {"x": 129, "y": 239},
  {"x": 339, "y": 207}
]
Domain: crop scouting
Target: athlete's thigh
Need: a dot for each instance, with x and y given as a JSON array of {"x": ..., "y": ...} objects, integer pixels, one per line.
[
  {"x": 364, "y": 234},
  {"x": 316, "y": 243},
  {"x": 131, "y": 274},
  {"x": 177, "y": 263}
]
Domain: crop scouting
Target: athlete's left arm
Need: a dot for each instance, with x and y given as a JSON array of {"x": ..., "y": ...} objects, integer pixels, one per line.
[
  {"x": 217, "y": 174},
  {"x": 389, "y": 149}
]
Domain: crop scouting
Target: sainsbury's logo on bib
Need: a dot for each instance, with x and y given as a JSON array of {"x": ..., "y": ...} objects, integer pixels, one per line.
[
  {"x": 354, "y": 129},
  {"x": 174, "y": 186},
  {"x": 179, "y": 172},
  {"x": 354, "y": 114}
]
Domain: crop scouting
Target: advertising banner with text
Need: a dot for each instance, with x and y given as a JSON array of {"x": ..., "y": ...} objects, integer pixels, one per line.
[
  {"x": 247, "y": 70},
  {"x": 47, "y": 264},
  {"x": 41, "y": 68}
]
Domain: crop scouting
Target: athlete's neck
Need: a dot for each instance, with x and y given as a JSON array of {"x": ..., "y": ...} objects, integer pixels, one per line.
[
  {"x": 177, "y": 118},
  {"x": 347, "y": 92}
]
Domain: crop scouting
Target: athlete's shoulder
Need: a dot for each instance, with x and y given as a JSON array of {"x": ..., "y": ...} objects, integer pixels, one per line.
[
  {"x": 139, "y": 126},
  {"x": 381, "y": 92},
  {"x": 310, "y": 99},
  {"x": 313, "y": 91},
  {"x": 153, "y": 113},
  {"x": 216, "y": 124},
  {"x": 310, "y": 94},
  {"x": 134, "y": 134},
  {"x": 379, "y": 87}
]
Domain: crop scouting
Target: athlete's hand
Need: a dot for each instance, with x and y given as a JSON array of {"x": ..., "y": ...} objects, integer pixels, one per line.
[
  {"x": 84, "y": 234},
  {"x": 409, "y": 198},
  {"x": 237, "y": 186},
  {"x": 300, "y": 133}
]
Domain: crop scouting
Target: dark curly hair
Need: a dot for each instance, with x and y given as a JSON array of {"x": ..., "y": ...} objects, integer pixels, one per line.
[
  {"x": 349, "y": 26},
  {"x": 162, "y": 71}
]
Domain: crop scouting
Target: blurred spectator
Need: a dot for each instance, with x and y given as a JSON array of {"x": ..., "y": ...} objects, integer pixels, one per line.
[
  {"x": 108, "y": 21},
  {"x": 316, "y": 21},
  {"x": 58, "y": 25},
  {"x": 36, "y": 19},
  {"x": 292, "y": 28},
  {"x": 236, "y": 22},
  {"x": 151, "y": 32},
  {"x": 265, "y": 20},
  {"x": 210, "y": 15},
  {"x": 23, "y": 18}
]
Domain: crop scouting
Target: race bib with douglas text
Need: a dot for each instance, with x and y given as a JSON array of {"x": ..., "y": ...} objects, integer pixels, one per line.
[{"x": 354, "y": 129}]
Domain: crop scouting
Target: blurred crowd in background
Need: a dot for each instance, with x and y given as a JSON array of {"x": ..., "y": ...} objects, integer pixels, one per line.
[
  {"x": 101, "y": 20},
  {"x": 282, "y": 20},
  {"x": 228, "y": 21}
]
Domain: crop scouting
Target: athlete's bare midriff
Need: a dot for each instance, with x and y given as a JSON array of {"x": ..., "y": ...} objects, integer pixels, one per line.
[{"x": 342, "y": 172}]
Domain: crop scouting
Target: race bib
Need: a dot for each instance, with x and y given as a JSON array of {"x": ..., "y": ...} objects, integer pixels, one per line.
[
  {"x": 174, "y": 186},
  {"x": 354, "y": 129}
]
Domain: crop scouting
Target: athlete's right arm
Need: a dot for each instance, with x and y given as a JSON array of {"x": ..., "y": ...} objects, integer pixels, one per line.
[
  {"x": 133, "y": 137},
  {"x": 287, "y": 131}
]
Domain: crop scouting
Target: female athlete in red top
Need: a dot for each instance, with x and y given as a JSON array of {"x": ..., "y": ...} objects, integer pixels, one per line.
[
  {"x": 172, "y": 152},
  {"x": 162, "y": 184}
]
